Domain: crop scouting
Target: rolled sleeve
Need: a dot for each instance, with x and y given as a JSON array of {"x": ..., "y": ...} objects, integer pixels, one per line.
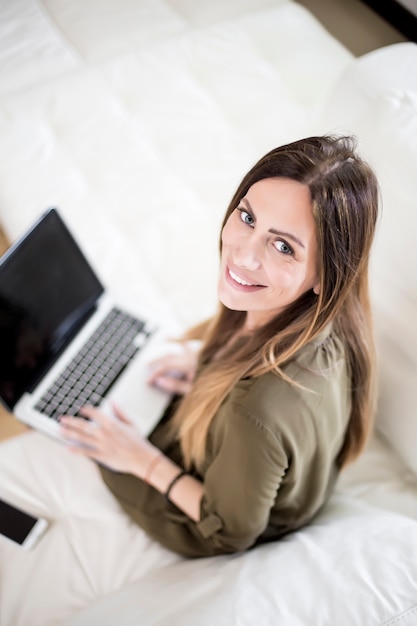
[{"x": 209, "y": 525}]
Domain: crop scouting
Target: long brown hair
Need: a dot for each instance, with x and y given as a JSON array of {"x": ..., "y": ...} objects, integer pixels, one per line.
[{"x": 344, "y": 195}]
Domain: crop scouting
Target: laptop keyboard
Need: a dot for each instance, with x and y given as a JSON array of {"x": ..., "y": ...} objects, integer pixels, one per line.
[{"x": 96, "y": 367}]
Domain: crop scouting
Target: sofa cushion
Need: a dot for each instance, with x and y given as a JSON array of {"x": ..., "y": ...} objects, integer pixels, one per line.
[
  {"x": 389, "y": 135},
  {"x": 376, "y": 99},
  {"x": 351, "y": 566}
]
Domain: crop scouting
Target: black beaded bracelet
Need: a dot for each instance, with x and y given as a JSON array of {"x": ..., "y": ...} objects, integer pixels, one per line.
[{"x": 172, "y": 483}]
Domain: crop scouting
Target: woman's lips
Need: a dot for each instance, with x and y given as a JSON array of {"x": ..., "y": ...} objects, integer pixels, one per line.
[{"x": 240, "y": 283}]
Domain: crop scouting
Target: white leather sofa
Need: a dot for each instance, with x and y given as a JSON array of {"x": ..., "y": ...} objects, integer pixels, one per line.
[{"x": 137, "y": 118}]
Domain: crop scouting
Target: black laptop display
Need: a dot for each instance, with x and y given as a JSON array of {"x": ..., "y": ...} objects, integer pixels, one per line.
[{"x": 47, "y": 291}]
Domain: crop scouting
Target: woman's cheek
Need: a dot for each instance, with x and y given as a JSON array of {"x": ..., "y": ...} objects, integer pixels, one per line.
[{"x": 283, "y": 276}]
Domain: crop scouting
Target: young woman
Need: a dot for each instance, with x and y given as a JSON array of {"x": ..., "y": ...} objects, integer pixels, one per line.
[{"x": 281, "y": 394}]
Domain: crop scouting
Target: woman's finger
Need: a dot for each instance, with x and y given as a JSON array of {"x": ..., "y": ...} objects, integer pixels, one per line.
[
  {"x": 79, "y": 433},
  {"x": 172, "y": 384},
  {"x": 85, "y": 450},
  {"x": 77, "y": 424},
  {"x": 94, "y": 414},
  {"x": 120, "y": 415},
  {"x": 163, "y": 370}
]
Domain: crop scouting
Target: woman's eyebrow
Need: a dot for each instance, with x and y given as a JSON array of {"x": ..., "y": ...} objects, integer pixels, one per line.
[{"x": 273, "y": 230}]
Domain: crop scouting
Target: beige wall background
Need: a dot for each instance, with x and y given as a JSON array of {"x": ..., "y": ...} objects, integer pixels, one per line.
[{"x": 356, "y": 25}]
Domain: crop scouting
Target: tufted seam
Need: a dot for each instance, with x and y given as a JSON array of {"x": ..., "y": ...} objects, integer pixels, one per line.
[{"x": 399, "y": 618}]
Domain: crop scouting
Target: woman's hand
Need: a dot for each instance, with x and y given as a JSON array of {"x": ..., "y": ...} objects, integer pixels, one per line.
[
  {"x": 175, "y": 373},
  {"x": 111, "y": 440}
]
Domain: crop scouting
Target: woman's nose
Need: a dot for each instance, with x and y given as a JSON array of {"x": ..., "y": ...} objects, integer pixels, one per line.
[{"x": 247, "y": 256}]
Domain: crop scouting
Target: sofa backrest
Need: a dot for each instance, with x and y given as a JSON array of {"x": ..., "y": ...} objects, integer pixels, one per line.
[{"x": 376, "y": 99}]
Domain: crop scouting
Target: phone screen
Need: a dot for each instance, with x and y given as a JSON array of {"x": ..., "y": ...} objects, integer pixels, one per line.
[{"x": 14, "y": 523}]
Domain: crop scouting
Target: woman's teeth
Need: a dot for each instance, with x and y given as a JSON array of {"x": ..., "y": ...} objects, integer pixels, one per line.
[{"x": 240, "y": 281}]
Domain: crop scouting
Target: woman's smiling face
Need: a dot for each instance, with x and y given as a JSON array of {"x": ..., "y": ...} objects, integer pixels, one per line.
[{"x": 269, "y": 250}]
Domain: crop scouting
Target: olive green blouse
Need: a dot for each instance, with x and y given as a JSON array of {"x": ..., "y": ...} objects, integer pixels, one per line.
[{"x": 270, "y": 460}]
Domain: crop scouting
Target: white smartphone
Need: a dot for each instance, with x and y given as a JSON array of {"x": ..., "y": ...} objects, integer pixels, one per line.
[{"x": 20, "y": 527}]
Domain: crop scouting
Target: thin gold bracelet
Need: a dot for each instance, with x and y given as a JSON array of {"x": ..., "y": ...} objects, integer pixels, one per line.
[{"x": 152, "y": 466}]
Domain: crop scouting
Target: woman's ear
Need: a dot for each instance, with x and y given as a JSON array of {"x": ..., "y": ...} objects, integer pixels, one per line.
[{"x": 316, "y": 289}]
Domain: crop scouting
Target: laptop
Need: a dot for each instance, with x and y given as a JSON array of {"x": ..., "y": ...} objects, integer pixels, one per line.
[{"x": 64, "y": 342}]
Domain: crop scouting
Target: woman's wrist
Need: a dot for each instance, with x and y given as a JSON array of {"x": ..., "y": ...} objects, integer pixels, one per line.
[
  {"x": 161, "y": 472},
  {"x": 172, "y": 484},
  {"x": 152, "y": 464},
  {"x": 179, "y": 487}
]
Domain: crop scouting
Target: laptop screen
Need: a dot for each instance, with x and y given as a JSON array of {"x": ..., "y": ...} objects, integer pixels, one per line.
[{"x": 47, "y": 291}]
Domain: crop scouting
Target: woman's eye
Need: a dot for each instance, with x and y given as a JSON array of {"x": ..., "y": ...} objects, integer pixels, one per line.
[
  {"x": 283, "y": 247},
  {"x": 246, "y": 217}
]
